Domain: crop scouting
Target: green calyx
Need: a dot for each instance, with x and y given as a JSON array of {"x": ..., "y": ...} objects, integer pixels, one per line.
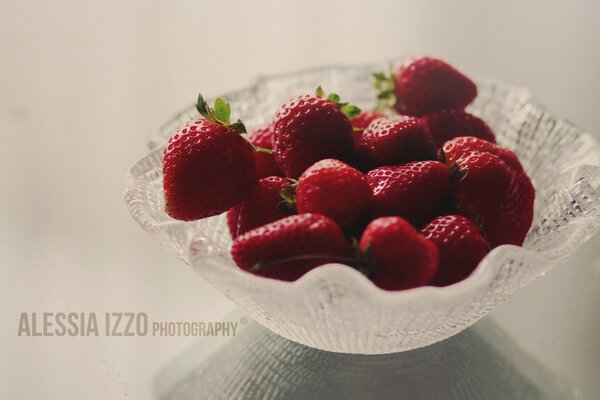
[
  {"x": 288, "y": 195},
  {"x": 363, "y": 259},
  {"x": 457, "y": 173},
  {"x": 385, "y": 83},
  {"x": 219, "y": 113},
  {"x": 348, "y": 109}
]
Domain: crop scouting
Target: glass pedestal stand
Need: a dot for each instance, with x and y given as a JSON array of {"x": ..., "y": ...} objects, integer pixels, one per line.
[{"x": 480, "y": 363}]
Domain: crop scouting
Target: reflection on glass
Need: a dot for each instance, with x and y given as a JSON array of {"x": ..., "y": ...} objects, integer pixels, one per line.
[{"x": 479, "y": 363}]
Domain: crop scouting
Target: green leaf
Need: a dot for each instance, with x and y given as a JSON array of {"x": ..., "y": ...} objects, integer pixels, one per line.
[
  {"x": 288, "y": 193},
  {"x": 462, "y": 174},
  {"x": 238, "y": 126},
  {"x": 334, "y": 98},
  {"x": 442, "y": 156},
  {"x": 457, "y": 173},
  {"x": 222, "y": 111},
  {"x": 202, "y": 106},
  {"x": 350, "y": 110},
  {"x": 380, "y": 76},
  {"x": 320, "y": 92},
  {"x": 386, "y": 94}
]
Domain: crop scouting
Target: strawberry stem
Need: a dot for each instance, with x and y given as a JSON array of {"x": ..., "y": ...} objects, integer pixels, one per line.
[{"x": 262, "y": 149}]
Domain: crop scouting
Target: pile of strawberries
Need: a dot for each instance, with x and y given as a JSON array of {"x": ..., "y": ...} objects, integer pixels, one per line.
[{"x": 415, "y": 192}]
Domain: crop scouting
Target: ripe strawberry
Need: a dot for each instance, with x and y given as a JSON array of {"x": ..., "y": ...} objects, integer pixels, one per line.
[
  {"x": 265, "y": 162},
  {"x": 486, "y": 182},
  {"x": 311, "y": 128},
  {"x": 457, "y": 147},
  {"x": 460, "y": 245},
  {"x": 496, "y": 196},
  {"x": 403, "y": 258},
  {"x": 363, "y": 120},
  {"x": 232, "y": 221},
  {"x": 334, "y": 189},
  {"x": 415, "y": 191},
  {"x": 395, "y": 140},
  {"x": 511, "y": 223},
  {"x": 448, "y": 124},
  {"x": 424, "y": 85},
  {"x": 261, "y": 207},
  {"x": 208, "y": 167},
  {"x": 288, "y": 248}
]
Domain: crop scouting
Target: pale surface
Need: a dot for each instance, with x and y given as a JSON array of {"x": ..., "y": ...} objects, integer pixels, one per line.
[{"x": 82, "y": 86}]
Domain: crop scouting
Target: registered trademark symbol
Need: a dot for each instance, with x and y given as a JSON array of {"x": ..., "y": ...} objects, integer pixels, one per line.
[{"x": 243, "y": 320}]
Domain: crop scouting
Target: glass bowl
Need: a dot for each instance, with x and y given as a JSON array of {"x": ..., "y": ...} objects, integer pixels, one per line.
[{"x": 334, "y": 307}]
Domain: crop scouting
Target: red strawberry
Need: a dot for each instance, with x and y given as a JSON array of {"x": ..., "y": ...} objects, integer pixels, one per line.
[
  {"x": 415, "y": 191},
  {"x": 334, "y": 189},
  {"x": 403, "y": 258},
  {"x": 425, "y": 85},
  {"x": 311, "y": 128},
  {"x": 208, "y": 167},
  {"x": 261, "y": 207},
  {"x": 395, "y": 140},
  {"x": 457, "y": 147},
  {"x": 496, "y": 196},
  {"x": 232, "y": 221},
  {"x": 288, "y": 248},
  {"x": 265, "y": 162},
  {"x": 363, "y": 119},
  {"x": 460, "y": 245},
  {"x": 511, "y": 223},
  {"x": 486, "y": 182},
  {"x": 448, "y": 124}
]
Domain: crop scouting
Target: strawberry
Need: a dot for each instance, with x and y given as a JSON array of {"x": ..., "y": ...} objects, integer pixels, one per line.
[
  {"x": 334, "y": 189},
  {"x": 510, "y": 224},
  {"x": 415, "y": 191},
  {"x": 496, "y": 196},
  {"x": 232, "y": 221},
  {"x": 424, "y": 85},
  {"x": 457, "y": 147},
  {"x": 460, "y": 246},
  {"x": 403, "y": 258},
  {"x": 261, "y": 207},
  {"x": 208, "y": 167},
  {"x": 311, "y": 128},
  {"x": 486, "y": 182},
  {"x": 265, "y": 162},
  {"x": 395, "y": 140},
  {"x": 288, "y": 248},
  {"x": 363, "y": 120},
  {"x": 448, "y": 124}
]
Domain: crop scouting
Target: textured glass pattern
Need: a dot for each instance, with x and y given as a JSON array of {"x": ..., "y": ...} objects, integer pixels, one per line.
[
  {"x": 479, "y": 363},
  {"x": 336, "y": 308}
]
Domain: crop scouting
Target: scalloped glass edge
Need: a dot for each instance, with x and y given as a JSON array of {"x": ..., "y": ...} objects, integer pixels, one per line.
[{"x": 201, "y": 243}]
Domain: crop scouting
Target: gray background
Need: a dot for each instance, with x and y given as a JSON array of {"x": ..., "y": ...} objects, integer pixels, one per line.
[{"x": 83, "y": 83}]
